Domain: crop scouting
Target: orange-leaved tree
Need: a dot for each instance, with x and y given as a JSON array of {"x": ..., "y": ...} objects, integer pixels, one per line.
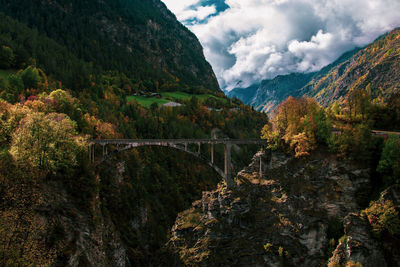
[{"x": 299, "y": 123}]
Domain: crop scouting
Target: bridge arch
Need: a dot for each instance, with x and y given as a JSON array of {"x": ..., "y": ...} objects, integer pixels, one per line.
[
  {"x": 182, "y": 145},
  {"x": 197, "y": 155}
]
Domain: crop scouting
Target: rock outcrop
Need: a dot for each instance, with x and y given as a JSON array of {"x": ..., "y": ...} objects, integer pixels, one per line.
[
  {"x": 361, "y": 245},
  {"x": 287, "y": 217},
  {"x": 357, "y": 245}
]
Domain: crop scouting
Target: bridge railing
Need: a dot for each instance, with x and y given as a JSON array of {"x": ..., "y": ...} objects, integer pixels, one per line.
[{"x": 179, "y": 141}]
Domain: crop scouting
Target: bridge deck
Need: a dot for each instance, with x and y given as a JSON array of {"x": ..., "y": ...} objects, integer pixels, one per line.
[
  {"x": 386, "y": 133},
  {"x": 178, "y": 141}
]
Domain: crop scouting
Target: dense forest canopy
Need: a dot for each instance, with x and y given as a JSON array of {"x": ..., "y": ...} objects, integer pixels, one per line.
[{"x": 140, "y": 39}]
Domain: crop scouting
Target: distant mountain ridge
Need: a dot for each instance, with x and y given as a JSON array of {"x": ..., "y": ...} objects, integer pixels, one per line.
[
  {"x": 141, "y": 39},
  {"x": 376, "y": 66},
  {"x": 269, "y": 93}
]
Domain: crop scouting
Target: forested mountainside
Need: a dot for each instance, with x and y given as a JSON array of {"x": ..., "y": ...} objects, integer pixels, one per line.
[
  {"x": 269, "y": 93},
  {"x": 61, "y": 87},
  {"x": 140, "y": 39},
  {"x": 375, "y": 66}
]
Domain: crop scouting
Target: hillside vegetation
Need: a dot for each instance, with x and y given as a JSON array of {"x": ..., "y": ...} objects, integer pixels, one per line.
[
  {"x": 301, "y": 125},
  {"x": 58, "y": 209},
  {"x": 141, "y": 40},
  {"x": 376, "y": 67}
]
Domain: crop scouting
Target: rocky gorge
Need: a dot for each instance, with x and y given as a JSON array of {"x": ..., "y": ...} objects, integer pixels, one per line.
[{"x": 294, "y": 215}]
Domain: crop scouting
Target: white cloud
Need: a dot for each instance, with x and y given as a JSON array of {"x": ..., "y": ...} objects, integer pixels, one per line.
[
  {"x": 190, "y": 9},
  {"x": 180, "y": 6},
  {"x": 200, "y": 13},
  {"x": 258, "y": 39}
]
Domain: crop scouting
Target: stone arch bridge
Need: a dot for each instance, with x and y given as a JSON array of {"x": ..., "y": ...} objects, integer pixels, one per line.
[{"x": 183, "y": 145}]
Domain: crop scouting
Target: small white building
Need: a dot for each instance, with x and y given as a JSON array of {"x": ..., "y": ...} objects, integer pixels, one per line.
[{"x": 171, "y": 104}]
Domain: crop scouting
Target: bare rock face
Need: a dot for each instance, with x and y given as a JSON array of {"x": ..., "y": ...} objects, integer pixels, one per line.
[
  {"x": 82, "y": 239},
  {"x": 361, "y": 245},
  {"x": 284, "y": 218},
  {"x": 358, "y": 245}
]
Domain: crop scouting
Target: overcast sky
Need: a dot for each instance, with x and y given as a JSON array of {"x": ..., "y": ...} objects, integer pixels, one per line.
[{"x": 249, "y": 40}]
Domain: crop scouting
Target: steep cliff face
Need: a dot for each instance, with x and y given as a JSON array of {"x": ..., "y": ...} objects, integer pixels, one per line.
[
  {"x": 141, "y": 39},
  {"x": 121, "y": 219},
  {"x": 82, "y": 237},
  {"x": 286, "y": 217}
]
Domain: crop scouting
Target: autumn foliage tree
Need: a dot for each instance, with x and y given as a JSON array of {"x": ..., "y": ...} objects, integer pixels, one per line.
[
  {"x": 358, "y": 104},
  {"x": 299, "y": 123},
  {"x": 7, "y": 57},
  {"x": 46, "y": 141}
]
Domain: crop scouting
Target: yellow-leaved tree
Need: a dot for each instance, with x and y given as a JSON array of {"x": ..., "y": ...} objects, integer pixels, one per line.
[
  {"x": 299, "y": 123},
  {"x": 48, "y": 142}
]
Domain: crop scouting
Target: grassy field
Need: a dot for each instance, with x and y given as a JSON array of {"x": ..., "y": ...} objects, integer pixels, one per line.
[
  {"x": 185, "y": 96},
  {"x": 170, "y": 96},
  {"x": 147, "y": 101}
]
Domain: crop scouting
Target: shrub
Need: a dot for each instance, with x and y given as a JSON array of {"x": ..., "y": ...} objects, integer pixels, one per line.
[
  {"x": 280, "y": 251},
  {"x": 389, "y": 163},
  {"x": 353, "y": 264},
  {"x": 383, "y": 216},
  {"x": 268, "y": 248},
  {"x": 31, "y": 77},
  {"x": 7, "y": 58},
  {"x": 333, "y": 264}
]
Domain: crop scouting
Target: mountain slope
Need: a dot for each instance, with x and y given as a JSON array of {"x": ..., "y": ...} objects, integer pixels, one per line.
[
  {"x": 245, "y": 94},
  {"x": 141, "y": 39},
  {"x": 267, "y": 95},
  {"x": 376, "y": 66},
  {"x": 272, "y": 92}
]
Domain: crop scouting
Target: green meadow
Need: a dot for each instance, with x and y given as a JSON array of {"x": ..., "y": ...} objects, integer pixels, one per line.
[{"x": 171, "y": 96}]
